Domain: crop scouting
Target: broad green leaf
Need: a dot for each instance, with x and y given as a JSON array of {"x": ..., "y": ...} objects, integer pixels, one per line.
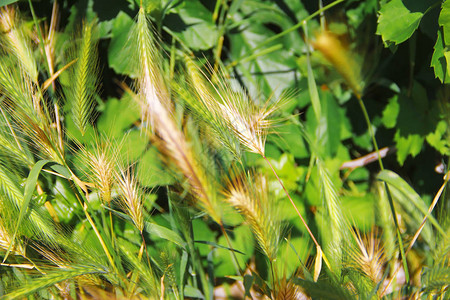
[
  {"x": 396, "y": 23},
  {"x": 202, "y": 232},
  {"x": 444, "y": 21},
  {"x": 65, "y": 202},
  {"x": 332, "y": 111},
  {"x": 151, "y": 171},
  {"x": 447, "y": 59},
  {"x": 286, "y": 169},
  {"x": 359, "y": 210},
  {"x": 242, "y": 240},
  {"x": 438, "y": 60},
  {"x": 306, "y": 273},
  {"x": 256, "y": 66},
  {"x": 155, "y": 230},
  {"x": 417, "y": 117},
  {"x": 408, "y": 145},
  {"x": 324, "y": 289},
  {"x": 289, "y": 139},
  {"x": 74, "y": 134},
  {"x": 390, "y": 113},
  {"x": 30, "y": 185},
  {"x": 437, "y": 139},
  {"x": 120, "y": 50},
  {"x": 194, "y": 25},
  {"x": 118, "y": 116},
  {"x": 134, "y": 145}
]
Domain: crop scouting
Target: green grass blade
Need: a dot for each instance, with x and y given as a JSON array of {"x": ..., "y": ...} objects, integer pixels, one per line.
[
  {"x": 337, "y": 224},
  {"x": 155, "y": 229},
  {"x": 219, "y": 246},
  {"x": 164, "y": 233},
  {"x": 6, "y": 2},
  {"x": 305, "y": 270},
  {"x": 399, "y": 235},
  {"x": 312, "y": 87},
  {"x": 408, "y": 192},
  {"x": 30, "y": 185},
  {"x": 52, "y": 278}
]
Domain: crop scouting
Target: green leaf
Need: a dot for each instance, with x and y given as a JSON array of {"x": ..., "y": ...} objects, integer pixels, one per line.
[
  {"x": 30, "y": 185},
  {"x": 60, "y": 274},
  {"x": 289, "y": 139},
  {"x": 359, "y": 209},
  {"x": 118, "y": 116},
  {"x": 164, "y": 233},
  {"x": 155, "y": 229},
  {"x": 194, "y": 25},
  {"x": 6, "y": 2},
  {"x": 256, "y": 66},
  {"x": 134, "y": 145},
  {"x": 215, "y": 245},
  {"x": 151, "y": 172},
  {"x": 447, "y": 60},
  {"x": 390, "y": 113},
  {"x": 396, "y": 23},
  {"x": 190, "y": 291},
  {"x": 61, "y": 170},
  {"x": 327, "y": 131},
  {"x": 417, "y": 117},
  {"x": 437, "y": 138},
  {"x": 405, "y": 195},
  {"x": 242, "y": 239},
  {"x": 438, "y": 60},
  {"x": 444, "y": 21},
  {"x": 313, "y": 93},
  {"x": 65, "y": 203},
  {"x": 408, "y": 145},
  {"x": 120, "y": 51}
]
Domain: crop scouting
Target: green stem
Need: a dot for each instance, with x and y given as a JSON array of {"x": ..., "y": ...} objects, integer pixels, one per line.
[
  {"x": 234, "y": 258},
  {"x": 255, "y": 55},
  {"x": 298, "y": 212},
  {"x": 99, "y": 236},
  {"x": 388, "y": 192},
  {"x": 369, "y": 126},
  {"x": 38, "y": 29},
  {"x": 298, "y": 25}
]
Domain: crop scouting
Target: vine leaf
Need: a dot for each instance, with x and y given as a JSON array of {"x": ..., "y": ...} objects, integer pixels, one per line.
[
  {"x": 444, "y": 21},
  {"x": 396, "y": 22}
]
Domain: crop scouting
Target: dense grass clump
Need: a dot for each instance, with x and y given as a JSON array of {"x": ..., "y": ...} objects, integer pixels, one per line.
[{"x": 189, "y": 186}]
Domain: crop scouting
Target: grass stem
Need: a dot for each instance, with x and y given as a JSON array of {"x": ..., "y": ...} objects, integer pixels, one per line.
[
  {"x": 298, "y": 212},
  {"x": 416, "y": 235},
  {"x": 388, "y": 192}
]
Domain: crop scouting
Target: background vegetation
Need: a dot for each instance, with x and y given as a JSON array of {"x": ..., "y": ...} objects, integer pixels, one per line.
[{"x": 197, "y": 149}]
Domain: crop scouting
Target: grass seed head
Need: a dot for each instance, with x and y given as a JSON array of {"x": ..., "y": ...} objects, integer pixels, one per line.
[
  {"x": 335, "y": 52},
  {"x": 131, "y": 196}
]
